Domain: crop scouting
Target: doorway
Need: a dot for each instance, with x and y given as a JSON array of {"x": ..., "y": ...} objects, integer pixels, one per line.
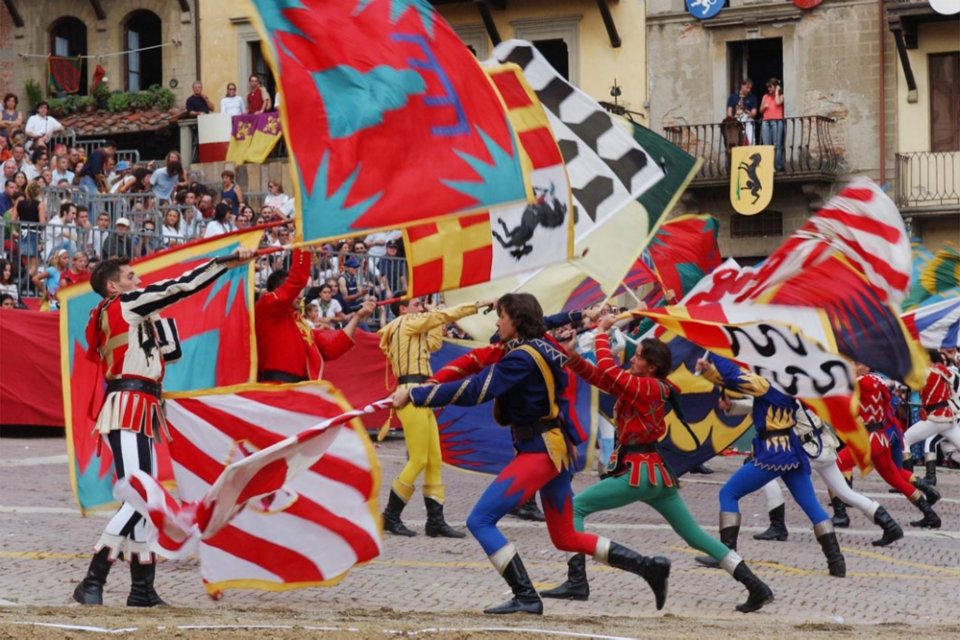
[{"x": 758, "y": 60}]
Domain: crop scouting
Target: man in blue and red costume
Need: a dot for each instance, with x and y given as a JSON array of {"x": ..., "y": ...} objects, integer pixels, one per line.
[
  {"x": 777, "y": 452},
  {"x": 526, "y": 384}
]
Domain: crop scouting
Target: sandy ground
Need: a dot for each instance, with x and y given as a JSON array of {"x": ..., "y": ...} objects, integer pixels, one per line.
[{"x": 43, "y": 623}]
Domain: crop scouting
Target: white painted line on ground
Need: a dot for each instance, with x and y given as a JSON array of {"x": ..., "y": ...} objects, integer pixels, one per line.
[
  {"x": 75, "y": 627},
  {"x": 52, "y": 510},
  {"x": 31, "y": 462}
]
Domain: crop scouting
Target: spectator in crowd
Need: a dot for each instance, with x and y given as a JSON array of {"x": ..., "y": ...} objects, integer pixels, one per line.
[
  {"x": 232, "y": 104},
  {"x": 10, "y": 168},
  {"x": 246, "y": 217},
  {"x": 20, "y": 179},
  {"x": 198, "y": 103},
  {"x": 93, "y": 176},
  {"x": 258, "y": 100},
  {"x": 6, "y": 197},
  {"x": 118, "y": 244},
  {"x": 191, "y": 220},
  {"x": 47, "y": 177},
  {"x": 368, "y": 275},
  {"x": 83, "y": 228},
  {"x": 11, "y": 231},
  {"x": 166, "y": 178},
  {"x": 77, "y": 270},
  {"x": 312, "y": 315},
  {"x": 117, "y": 173},
  {"x": 377, "y": 242},
  {"x": 206, "y": 206},
  {"x": 5, "y": 153},
  {"x": 10, "y": 119},
  {"x": 31, "y": 212},
  {"x": 99, "y": 234},
  {"x": 8, "y": 285},
  {"x": 38, "y": 162},
  {"x": 75, "y": 154},
  {"x": 61, "y": 230},
  {"x": 222, "y": 222},
  {"x": 393, "y": 271},
  {"x": 41, "y": 127},
  {"x": 277, "y": 199},
  {"x": 62, "y": 170},
  {"x": 7, "y": 301},
  {"x": 351, "y": 293},
  {"x": 771, "y": 129},
  {"x": 331, "y": 313},
  {"x": 171, "y": 233},
  {"x": 148, "y": 241},
  {"x": 135, "y": 181},
  {"x": 47, "y": 279},
  {"x": 19, "y": 154},
  {"x": 231, "y": 192},
  {"x": 742, "y": 106}
]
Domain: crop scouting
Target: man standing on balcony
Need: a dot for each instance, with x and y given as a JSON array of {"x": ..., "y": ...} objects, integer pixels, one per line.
[
  {"x": 742, "y": 105},
  {"x": 771, "y": 131},
  {"x": 198, "y": 103}
]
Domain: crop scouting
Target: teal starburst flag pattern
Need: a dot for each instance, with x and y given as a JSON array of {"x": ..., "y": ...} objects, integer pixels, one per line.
[{"x": 388, "y": 117}]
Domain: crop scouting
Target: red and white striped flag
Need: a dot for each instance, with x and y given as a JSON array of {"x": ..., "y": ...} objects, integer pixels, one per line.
[{"x": 278, "y": 489}]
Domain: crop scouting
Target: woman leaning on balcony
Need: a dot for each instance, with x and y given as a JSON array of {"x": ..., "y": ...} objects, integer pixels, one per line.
[{"x": 771, "y": 131}]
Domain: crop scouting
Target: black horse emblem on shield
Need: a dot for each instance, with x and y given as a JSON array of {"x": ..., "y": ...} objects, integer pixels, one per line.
[
  {"x": 753, "y": 181},
  {"x": 548, "y": 211}
]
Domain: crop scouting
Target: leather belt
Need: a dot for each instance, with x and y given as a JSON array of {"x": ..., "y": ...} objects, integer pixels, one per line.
[
  {"x": 527, "y": 431},
  {"x": 935, "y": 406},
  {"x": 155, "y": 389},
  {"x": 874, "y": 426},
  {"x": 642, "y": 447},
  {"x": 767, "y": 435},
  {"x": 273, "y": 375},
  {"x": 413, "y": 378}
]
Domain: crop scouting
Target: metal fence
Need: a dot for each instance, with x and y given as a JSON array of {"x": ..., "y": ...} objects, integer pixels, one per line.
[
  {"x": 68, "y": 137},
  {"x": 807, "y": 145},
  {"x": 928, "y": 179}
]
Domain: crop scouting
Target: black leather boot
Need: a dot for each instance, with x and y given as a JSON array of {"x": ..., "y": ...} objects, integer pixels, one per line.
[
  {"x": 391, "y": 516},
  {"x": 930, "y": 518},
  {"x": 840, "y": 517},
  {"x": 908, "y": 463},
  {"x": 758, "y": 593},
  {"x": 778, "y": 526},
  {"x": 929, "y": 492},
  {"x": 655, "y": 570},
  {"x": 436, "y": 525},
  {"x": 529, "y": 511},
  {"x": 827, "y": 538},
  {"x": 576, "y": 587},
  {"x": 90, "y": 589},
  {"x": 729, "y": 532},
  {"x": 891, "y": 530},
  {"x": 141, "y": 585},
  {"x": 931, "y": 475},
  {"x": 525, "y": 598}
]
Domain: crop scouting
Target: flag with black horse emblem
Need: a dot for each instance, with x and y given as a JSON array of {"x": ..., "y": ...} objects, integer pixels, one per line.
[{"x": 751, "y": 178}]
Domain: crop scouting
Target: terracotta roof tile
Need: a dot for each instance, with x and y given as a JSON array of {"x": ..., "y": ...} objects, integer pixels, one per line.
[{"x": 105, "y": 123}]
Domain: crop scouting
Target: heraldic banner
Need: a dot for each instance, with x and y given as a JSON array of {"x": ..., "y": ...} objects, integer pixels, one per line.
[{"x": 751, "y": 178}]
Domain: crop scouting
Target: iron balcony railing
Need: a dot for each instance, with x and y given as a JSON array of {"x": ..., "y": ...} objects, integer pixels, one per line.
[
  {"x": 808, "y": 148},
  {"x": 928, "y": 180}
]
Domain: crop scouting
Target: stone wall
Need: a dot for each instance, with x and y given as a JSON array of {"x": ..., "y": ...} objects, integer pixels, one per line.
[{"x": 103, "y": 37}]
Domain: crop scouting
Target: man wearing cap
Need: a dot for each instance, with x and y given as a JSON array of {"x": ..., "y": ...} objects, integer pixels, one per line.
[
  {"x": 119, "y": 244},
  {"x": 116, "y": 178},
  {"x": 288, "y": 350},
  {"x": 407, "y": 342},
  {"x": 351, "y": 293}
]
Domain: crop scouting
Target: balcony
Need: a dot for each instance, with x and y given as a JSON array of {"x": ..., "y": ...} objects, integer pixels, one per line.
[
  {"x": 809, "y": 151},
  {"x": 928, "y": 182}
]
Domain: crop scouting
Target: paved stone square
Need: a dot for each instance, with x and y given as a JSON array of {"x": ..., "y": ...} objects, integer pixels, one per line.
[{"x": 45, "y": 545}]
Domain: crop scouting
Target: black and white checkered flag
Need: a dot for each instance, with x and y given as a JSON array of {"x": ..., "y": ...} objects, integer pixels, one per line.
[{"x": 605, "y": 165}]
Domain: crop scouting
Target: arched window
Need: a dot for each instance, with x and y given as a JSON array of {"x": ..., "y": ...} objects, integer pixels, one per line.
[
  {"x": 143, "y": 69},
  {"x": 68, "y": 38}
]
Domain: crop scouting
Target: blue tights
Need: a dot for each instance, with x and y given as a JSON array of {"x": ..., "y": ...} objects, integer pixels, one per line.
[{"x": 750, "y": 477}]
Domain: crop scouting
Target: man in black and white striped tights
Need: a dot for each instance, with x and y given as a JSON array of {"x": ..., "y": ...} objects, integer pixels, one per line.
[{"x": 130, "y": 340}]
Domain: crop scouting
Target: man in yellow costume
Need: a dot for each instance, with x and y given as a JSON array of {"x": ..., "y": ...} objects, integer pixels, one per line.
[{"x": 408, "y": 342}]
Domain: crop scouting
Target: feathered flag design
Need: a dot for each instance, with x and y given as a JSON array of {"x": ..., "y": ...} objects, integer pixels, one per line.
[
  {"x": 215, "y": 328},
  {"x": 395, "y": 121},
  {"x": 278, "y": 488},
  {"x": 937, "y": 325}
]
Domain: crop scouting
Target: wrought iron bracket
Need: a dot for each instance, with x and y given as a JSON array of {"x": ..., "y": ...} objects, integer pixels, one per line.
[{"x": 609, "y": 24}]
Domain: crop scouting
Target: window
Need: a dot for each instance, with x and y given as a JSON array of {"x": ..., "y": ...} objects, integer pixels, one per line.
[
  {"x": 68, "y": 38},
  {"x": 259, "y": 66},
  {"x": 558, "y": 39},
  {"x": 944, "y": 101},
  {"x": 758, "y": 60},
  {"x": 764, "y": 224},
  {"x": 143, "y": 68},
  {"x": 475, "y": 37}
]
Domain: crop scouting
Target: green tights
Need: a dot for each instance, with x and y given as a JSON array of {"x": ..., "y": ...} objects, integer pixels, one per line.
[{"x": 615, "y": 492}]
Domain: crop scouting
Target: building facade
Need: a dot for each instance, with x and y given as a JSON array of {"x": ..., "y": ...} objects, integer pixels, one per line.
[{"x": 101, "y": 29}]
